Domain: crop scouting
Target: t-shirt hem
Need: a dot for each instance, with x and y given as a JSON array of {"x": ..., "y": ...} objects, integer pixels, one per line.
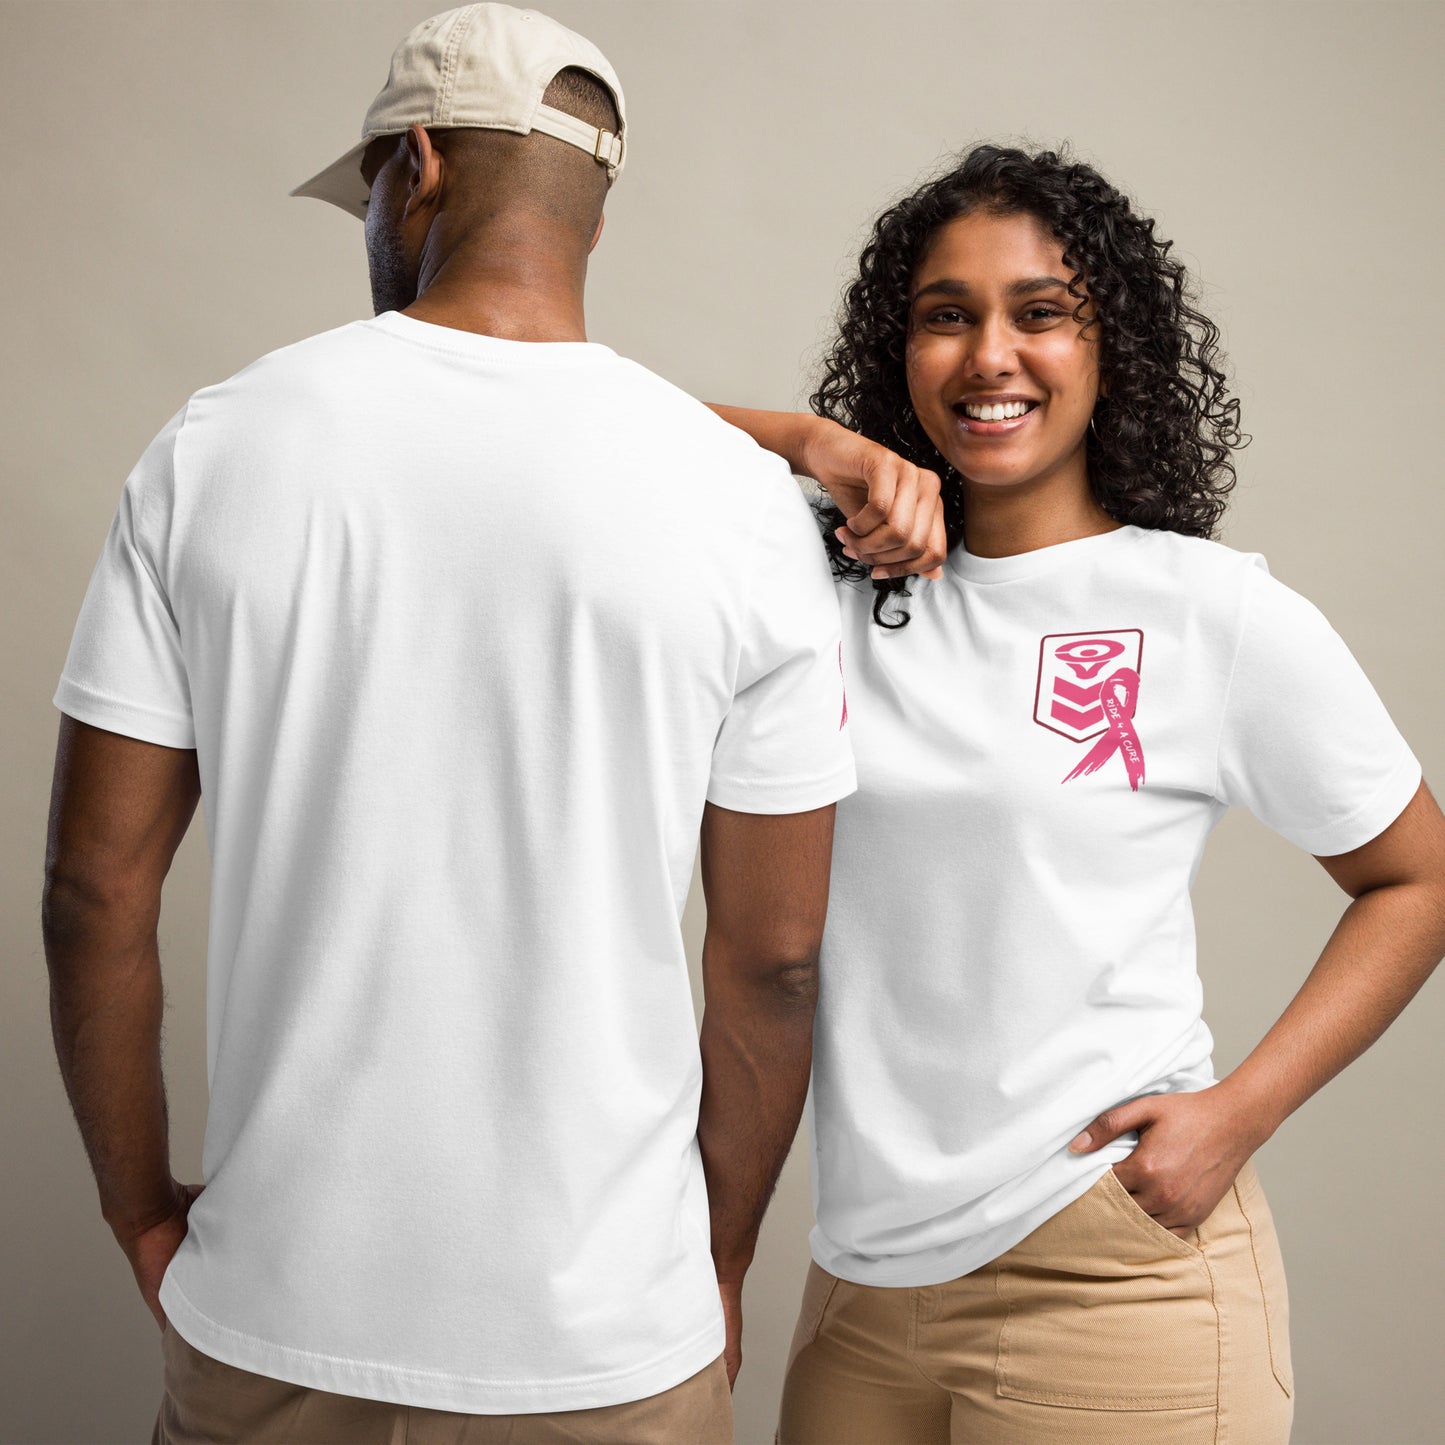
[
  {"x": 435, "y": 1390},
  {"x": 942, "y": 1265},
  {"x": 1367, "y": 822},
  {"x": 793, "y": 796},
  {"x": 117, "y": 716}
]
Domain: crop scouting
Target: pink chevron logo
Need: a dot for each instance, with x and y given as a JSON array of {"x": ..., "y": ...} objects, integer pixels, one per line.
[{"x": 1073, "y": 667}]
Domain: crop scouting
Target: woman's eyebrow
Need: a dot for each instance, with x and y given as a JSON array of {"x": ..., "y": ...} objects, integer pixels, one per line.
[
  {"x": 950, "y": 286},
  {"x": 1038, "y": 283}
]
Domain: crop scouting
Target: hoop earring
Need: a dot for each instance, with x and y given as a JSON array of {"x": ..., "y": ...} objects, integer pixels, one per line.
[{"x": 1092, "y": 427}]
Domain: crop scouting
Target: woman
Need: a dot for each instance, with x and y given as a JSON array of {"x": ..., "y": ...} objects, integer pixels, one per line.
[{"x": 1036, "y": 1215}]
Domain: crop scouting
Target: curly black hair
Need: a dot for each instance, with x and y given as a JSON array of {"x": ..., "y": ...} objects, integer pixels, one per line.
[{"x": 1158, "y": 454}]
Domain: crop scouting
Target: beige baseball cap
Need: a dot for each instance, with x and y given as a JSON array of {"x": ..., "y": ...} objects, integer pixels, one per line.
[{"x": 479, "y": 65}]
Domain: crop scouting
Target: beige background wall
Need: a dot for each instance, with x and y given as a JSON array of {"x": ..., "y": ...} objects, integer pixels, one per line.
[{"x": 1292, "y": 151}]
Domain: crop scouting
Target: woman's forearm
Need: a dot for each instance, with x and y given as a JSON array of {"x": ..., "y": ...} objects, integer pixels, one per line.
[
  {"x": 893, "y": 508},
  {"x": 1383, "y": 949}
]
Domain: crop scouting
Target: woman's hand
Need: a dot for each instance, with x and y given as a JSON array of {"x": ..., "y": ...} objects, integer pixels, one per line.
[
  {"x": 1191, "y": 1147},
  {"x": 1386, "y": 944},
  {"x": 894, "y": 510}
]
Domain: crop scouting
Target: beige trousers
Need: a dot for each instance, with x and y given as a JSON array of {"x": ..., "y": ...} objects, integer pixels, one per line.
[
  {"x": 1101, "y": 1326},
  {"x": 210, "y": 1403}
]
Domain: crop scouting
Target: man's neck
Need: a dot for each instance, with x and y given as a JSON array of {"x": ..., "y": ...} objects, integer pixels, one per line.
[{"x": 519, "y": 293}]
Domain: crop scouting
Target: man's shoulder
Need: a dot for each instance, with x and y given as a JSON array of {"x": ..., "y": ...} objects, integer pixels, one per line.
[
  {"x": 660, "y": 401},
  {"x": 307, "y": 356}
]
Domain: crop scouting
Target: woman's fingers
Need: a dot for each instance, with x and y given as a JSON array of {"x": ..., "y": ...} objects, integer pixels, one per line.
[
  {"x": 900, "y": 527},
  {"x": 882, "y": 472},
  {"x": 889, "y": 539},
  {"x": 894, "y": 509}
]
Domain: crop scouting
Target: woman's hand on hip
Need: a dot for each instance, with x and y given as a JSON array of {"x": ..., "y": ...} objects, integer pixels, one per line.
[{"x": 1191, "y": 1147}]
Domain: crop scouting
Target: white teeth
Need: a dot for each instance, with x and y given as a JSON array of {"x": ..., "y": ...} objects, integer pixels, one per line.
[{"x": 995, "y": 411}]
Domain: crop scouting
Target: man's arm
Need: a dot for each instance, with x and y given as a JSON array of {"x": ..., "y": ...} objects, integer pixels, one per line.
[
  {"x": 765, "y": 878},
  {"x": 118, "y": 811}
]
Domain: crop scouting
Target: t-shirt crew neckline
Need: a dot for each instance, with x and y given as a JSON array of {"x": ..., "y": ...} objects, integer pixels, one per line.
[
  {"x": 454, "y": 340},
  {"x": 986, "y": 570}
]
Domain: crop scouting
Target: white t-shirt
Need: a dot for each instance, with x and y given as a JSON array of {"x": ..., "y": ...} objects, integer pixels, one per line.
[
  {"x": 463, "y": 642},
  {"x": 1041, "y": 753}
]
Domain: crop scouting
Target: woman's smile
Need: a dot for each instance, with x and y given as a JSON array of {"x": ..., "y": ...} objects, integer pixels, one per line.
[{"x": 993, "y": 416}]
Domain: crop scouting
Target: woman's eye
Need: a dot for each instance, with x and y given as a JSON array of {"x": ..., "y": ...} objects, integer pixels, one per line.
[
  {"x": 1042, "y": 313},
  {"x": 948, "y": 317}
]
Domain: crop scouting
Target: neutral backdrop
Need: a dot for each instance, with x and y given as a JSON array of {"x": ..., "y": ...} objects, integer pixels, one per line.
[{"x": 1291, "y": 151}]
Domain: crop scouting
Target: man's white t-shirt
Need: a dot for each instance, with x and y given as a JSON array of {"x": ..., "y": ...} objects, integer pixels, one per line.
[
  {"x": 1042, "y": 751},
  {"x": 463, "y": 641}
]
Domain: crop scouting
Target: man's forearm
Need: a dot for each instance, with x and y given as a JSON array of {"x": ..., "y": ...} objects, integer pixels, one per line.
[
  {"x": 105, "y": 1011},
  {"x": 757, "y": 1044}
]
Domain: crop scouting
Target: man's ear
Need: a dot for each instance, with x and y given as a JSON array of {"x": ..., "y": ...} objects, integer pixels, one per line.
[
  {"x": 424, "y": 170},
  {"x": 597, "y": 234}
]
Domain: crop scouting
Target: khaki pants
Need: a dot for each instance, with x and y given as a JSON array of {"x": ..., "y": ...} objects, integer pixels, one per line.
[
  {"x": 210, "y": 1403},
  {"x": 1101, "y": 1326}
]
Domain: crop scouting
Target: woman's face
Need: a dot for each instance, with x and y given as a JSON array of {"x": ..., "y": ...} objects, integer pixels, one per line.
[{"x": 990, "y": 325}]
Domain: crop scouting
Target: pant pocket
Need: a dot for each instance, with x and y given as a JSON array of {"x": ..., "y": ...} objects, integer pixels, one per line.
[
  {"x": 1113, "y": 1312},
  {"x": 1269, "y": 1269},
  {"x": 817, "y": 1291}
]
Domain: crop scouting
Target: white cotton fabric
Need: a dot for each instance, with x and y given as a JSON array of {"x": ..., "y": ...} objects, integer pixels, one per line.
[
  {"x": 463, "y": 640},
  {"x": 1007, "y": 953}
]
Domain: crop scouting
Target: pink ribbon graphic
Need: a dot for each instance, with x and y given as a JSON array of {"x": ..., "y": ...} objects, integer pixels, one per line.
[{"x": 1117, "y": 696}]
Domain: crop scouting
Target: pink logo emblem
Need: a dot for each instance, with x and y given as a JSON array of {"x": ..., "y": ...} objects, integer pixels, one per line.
[
  {"x": 844, "y": 718},
  {"x": 1089, "y": 686}
]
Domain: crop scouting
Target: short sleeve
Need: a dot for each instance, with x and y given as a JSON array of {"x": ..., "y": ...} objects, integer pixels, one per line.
[
  {"x": 783, "y": 746},
  {"x": 125, "y": 670},
  {"x": 1306, "y": 744}
]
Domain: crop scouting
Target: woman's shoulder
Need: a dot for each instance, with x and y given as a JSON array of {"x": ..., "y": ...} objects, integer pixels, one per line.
[
  {"x": 1203, "y": 567},
  {"x": 1236, "y": 584},
  {"x": 1204, "y": 555}
]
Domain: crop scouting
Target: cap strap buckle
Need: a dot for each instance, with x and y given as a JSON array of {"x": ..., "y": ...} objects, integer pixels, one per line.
[{"x": 608, "y": 149}]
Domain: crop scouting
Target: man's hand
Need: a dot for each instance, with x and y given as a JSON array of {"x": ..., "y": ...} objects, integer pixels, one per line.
[
  {"x": 1191, "y": 1147},
  {"x": 732, "y": 1303},
  {"x": 894, "y": 509},
  {"x": 151, "y": 1248}
]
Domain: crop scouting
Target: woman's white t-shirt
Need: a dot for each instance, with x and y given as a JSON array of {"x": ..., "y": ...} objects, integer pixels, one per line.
[{"x": 1041, "y": 753}]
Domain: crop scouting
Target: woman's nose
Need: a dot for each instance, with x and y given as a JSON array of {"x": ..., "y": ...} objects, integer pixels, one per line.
[{"x": 992, "y": 352}]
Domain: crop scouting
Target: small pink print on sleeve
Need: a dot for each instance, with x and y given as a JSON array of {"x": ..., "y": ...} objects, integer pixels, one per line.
[
  {"x": 1088, "y": 687},
  {"x": 842, "y": 720}
]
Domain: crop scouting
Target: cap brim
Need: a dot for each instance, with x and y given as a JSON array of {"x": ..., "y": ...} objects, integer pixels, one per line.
[{"x": 341, "y": 182}]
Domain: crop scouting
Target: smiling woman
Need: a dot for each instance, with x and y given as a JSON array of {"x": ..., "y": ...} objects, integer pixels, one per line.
[
  {"x": 960, "y": 333},
  {"x": 1043, "y": 252},
  {"x": 1037, "y": 1216}
]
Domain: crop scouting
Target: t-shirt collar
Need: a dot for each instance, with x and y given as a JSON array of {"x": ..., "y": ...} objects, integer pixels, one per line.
[
  {"x": 986, "y": 570},
  {"x": 488, "y": 348}
]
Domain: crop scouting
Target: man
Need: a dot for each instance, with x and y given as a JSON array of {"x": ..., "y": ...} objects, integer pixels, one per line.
[{"x": 468, "y": 1172}]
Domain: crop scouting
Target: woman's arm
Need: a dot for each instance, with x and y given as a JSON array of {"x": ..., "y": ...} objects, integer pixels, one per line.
[
  {"x": 1384, "y": 947},
  {"x": 894, "y": 511}
]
